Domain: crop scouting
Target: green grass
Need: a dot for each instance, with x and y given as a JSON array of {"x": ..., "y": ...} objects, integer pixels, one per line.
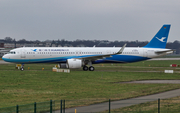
[
  {"x": 171, "y": 56},
  {"x": 137, "y": 66},
  {"x": 171, "y": 105},
  {"x": 149, "y": 63},
  {"x": 35, "y": 85}
]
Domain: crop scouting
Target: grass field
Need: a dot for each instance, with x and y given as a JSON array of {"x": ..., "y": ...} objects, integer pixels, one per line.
[
  {"x": 35, "y": 85},
  {"x": 171, "y": 105}
]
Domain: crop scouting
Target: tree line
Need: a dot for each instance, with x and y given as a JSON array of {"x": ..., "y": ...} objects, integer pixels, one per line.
[{"x": 90, "y": 43}]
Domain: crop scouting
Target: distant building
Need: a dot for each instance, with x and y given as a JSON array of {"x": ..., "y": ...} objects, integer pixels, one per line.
[
  {"x": 53, "y": 45},
  {"x": 29, "y": 45},
  {"x": 81, "y": 45},
  {"x": 19, "y": 45},
  {"x": 48, "y": 44},
  {"x": 9, "y": 45},
  {"x": 1, "y": 43},
  {"x": 68, "y": 45},
  {"x": 59, "y": 45},
  {"x": 41, "y": 45}
]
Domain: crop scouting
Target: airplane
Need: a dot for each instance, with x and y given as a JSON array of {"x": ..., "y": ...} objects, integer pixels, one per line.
[{"x": 82, "y": 57}]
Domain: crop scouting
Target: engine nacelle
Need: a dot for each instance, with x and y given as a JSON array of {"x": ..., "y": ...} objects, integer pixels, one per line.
[
  {"x": 63, "y": 65},
  {"x": 74, "y": 63}
]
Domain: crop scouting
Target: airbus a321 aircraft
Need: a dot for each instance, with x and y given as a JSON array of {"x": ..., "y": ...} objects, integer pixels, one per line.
[{"x": 77, "y": 57}]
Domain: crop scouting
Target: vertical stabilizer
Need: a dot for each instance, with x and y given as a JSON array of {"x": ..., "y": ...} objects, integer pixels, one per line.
[{"x": 160, "y": 39}]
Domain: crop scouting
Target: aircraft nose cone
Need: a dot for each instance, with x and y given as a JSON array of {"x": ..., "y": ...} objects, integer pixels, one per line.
[{"x": 4, "y": 57}]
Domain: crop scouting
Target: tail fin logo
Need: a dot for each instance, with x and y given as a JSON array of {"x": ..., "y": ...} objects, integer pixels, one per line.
[{"x": 162, "y": 39}]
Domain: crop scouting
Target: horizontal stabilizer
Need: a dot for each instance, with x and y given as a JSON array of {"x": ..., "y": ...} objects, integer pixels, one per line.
[{"x": 161, "y": 52}]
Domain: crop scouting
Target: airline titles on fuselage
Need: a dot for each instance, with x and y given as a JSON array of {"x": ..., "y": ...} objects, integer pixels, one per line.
[{"x": 53, "y": 49}]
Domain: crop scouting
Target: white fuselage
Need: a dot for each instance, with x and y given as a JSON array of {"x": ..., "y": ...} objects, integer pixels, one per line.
[{"x": 61, "y": 54}]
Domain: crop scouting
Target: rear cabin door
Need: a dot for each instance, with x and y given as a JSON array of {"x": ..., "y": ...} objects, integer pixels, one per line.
[
  {"x": 108, "y": 51},
  {"x": 145, "y": 53}
]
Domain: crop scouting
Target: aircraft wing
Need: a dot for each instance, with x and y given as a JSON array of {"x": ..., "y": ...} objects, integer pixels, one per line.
[{"x": 101, "y": 56}]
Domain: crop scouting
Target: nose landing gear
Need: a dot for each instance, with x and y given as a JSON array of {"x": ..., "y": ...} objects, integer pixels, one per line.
[{"x": 22, "y": 67}]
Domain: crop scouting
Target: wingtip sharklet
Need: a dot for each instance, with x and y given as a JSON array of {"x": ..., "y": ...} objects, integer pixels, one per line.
[{"x": 122, "y": 49}]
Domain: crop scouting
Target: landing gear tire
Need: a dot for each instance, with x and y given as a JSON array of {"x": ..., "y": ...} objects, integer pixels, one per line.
[
  {"x": 91, "y": 68},
  {"x": 22, "y": 69},
  {"x": 85, "y": 68}
]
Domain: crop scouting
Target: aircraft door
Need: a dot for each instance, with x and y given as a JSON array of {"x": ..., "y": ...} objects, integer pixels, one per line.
[
  {"x": 78, "y": 53},
  {"x": 23, "y": 53},
  {"x": 108, "y": 51},
  {"x": 145, "y": 53}
]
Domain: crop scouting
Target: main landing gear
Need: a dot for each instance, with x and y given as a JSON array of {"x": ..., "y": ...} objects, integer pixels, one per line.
[
  {"x": 22, "y": 67},
  {"x": 91, "y": 68}
]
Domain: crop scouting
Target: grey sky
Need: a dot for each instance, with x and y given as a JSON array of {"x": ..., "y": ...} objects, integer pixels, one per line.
[{"x": 88, "y": 19}]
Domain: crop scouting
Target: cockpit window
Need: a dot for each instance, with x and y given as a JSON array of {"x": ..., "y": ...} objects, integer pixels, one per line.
[{"x": 12, "y": 52}]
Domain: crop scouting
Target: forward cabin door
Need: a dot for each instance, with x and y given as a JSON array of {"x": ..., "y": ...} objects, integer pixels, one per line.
[
  {"x": 78, "y": 53},
  {"x": 23, "y": 53}
]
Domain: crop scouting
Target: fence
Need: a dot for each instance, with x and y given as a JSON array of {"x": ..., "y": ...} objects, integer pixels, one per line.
[
  {"x": 99, "y": 106},
  {"x": 41, "y": 107}
]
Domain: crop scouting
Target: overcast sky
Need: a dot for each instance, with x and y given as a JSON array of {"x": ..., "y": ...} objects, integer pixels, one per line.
[{"x": 122, "y": 20}]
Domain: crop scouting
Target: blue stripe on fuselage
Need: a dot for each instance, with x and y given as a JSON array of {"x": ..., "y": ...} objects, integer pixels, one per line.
[
  {"x": 42, "y": 60},
  {"x": 121, "y": 59}
]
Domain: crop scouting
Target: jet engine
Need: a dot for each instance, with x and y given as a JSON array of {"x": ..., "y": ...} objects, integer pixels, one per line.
[
  {"x": 63, "y": 65},
  {"x": 74, "y": 63}
]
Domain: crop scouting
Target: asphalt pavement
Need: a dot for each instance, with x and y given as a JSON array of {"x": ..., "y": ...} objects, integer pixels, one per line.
[
  {"x": 165, "y": 59},
  {"x": 155, "y": 82},
  {"x": 3, "y": 62}
]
